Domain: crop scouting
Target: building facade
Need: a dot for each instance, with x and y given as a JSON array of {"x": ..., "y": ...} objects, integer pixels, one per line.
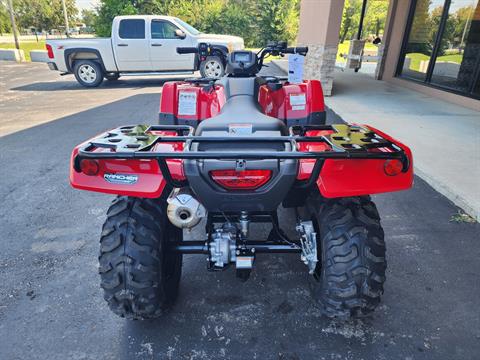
[{"x": 431, "y": 46}]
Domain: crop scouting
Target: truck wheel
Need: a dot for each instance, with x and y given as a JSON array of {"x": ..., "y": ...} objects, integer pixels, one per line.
[
  {"x": 348, "y": 280},
  {"x": 88, "y": 73},
  {"x": 212, "y": 67},
  {"x": 112, "y": 76},
  {"x": 139, "y": 276}
]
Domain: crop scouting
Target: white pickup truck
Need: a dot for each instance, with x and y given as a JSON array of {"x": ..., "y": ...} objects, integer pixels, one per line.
[{"x": 143, "y": 44}]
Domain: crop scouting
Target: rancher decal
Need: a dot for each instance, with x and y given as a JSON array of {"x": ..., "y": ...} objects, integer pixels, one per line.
[{"x": 121, "y": 179}]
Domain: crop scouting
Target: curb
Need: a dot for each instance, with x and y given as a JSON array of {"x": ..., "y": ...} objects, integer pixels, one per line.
[
  {"x": 449, "y": 193},
  {"x": 39, "y": 56},
  {"x": 12, "y": 55}
]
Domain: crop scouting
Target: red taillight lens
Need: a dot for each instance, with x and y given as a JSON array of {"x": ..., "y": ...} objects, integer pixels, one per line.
[
  {"x": 89, "y": 167},
  {"x": 393, "y": 167},
  {"x": 49, "y": 51},
  {"x": 241, "y": 180}
]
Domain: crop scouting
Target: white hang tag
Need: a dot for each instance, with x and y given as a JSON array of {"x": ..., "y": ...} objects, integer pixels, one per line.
[
  {"x": 295, "y": 68},
  {"x": 187, "y": 103}
]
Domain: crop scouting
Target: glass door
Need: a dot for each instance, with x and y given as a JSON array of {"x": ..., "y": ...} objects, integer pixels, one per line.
[
  {"x": 442, "y": 46},
  {"x": 421, "y": 39},
  {"x": 459, "y": 48}
]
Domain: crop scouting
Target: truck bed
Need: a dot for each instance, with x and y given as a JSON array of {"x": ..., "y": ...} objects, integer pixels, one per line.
[{"x": 102, "y": 46}]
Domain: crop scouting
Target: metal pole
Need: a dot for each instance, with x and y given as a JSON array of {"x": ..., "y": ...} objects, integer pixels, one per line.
[
  {"x": 14, "y": 25},
  {"x": 362, "y": 16},
  {"x": 67, "y": 29},
  {"x": 465, "y": 28}
]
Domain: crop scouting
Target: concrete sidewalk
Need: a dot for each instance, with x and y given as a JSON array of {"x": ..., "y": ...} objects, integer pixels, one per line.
[{"x": 444, "y": 138}]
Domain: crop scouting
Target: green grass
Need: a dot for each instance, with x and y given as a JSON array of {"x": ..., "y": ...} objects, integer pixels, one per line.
[
  {"x": 345, "y": 46},
  {"x": 416, "y": 58},
  {"x": 461, "y": 217},
  {"x": 26, "y": 46},
  {"x": 456, "y": 58}
]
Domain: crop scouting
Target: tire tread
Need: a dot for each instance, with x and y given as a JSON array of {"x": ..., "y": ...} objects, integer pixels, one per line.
[
  {"x": 351, "y": 277},
  {"x": 132, "y": 239}
]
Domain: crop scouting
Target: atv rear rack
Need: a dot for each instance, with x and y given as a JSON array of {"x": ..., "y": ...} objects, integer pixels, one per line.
[{"x": 137, "y": 142}]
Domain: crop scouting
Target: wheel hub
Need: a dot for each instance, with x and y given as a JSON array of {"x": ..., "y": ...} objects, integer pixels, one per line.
[
  {"x": 213, "y": 69},
  {"x": 87, "y": 73}
]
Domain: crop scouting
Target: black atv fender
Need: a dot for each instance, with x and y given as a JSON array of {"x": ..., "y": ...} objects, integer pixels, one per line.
[{"x": 220, "y": 50}]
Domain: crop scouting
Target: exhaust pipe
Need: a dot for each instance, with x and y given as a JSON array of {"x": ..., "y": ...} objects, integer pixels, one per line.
[{"x": 183, "y": 210}]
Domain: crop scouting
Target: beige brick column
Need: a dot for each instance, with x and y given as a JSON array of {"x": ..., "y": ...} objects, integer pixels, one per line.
[{"x": 320, "y": 22}]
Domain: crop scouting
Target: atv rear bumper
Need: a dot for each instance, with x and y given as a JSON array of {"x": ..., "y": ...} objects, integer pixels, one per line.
[{"x": 342, "y": 160}]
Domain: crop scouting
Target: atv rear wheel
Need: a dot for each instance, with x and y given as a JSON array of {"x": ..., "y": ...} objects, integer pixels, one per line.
[
  {"x": 348, "y": 280},
  {"x": 140, "y": 278}
]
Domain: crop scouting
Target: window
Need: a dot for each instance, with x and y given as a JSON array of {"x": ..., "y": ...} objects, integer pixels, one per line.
[
  {"x": 421, "y": 39},
  {"x": 189, "y": 27},
  {"x": 132, "y": 29},
  {"x": 442, "y": 45},
  {"x": 459, "y": 48},
  {"x": 163, "y": 30}
]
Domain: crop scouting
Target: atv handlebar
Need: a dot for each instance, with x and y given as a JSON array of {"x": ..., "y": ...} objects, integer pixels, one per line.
[
  {"x": 273, "y": 48},
  {"x": 279, "y": 49},
  {"x": 302, "y": 50}
]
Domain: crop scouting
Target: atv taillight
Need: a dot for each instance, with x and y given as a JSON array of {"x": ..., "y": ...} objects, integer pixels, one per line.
[
  {"x": 393, "y": 167},
  {"x": 89, "y": 167},
  {"x": 49, "y": 51},
  {"x": 241, "y": 180}
]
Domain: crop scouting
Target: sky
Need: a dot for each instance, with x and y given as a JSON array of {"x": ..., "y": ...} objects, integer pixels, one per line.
[{"x": 86, "y": 4}]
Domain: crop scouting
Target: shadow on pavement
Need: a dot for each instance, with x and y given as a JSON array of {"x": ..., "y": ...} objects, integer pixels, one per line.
[{"x": 122, "y": 83}]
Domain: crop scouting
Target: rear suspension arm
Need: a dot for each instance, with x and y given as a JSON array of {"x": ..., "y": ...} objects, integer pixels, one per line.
[{"x": 260, "y": 247}]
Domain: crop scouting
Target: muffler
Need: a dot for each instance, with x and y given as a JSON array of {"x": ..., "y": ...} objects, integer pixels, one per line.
[{"x": 184, "y": 211}]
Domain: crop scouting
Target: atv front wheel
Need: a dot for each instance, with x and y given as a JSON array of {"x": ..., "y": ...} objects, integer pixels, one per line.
[
  {"x": 348, "y": 280},
  {"x": 140, "y": 278}
]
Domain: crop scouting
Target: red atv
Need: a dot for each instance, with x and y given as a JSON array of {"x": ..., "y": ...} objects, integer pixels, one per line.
[{"x": 229, "y": 152}]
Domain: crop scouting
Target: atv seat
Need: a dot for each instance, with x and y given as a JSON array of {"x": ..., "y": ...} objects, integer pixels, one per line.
[{"x": 241, "y": 109}]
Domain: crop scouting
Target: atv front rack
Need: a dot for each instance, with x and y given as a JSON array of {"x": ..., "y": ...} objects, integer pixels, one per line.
[{"x": 138, "y": 142}]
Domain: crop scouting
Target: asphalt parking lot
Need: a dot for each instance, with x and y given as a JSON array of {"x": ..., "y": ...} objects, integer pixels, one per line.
[{"x": 51, "y": 305}]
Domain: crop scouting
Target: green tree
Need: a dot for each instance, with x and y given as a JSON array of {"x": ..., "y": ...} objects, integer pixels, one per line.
[
  {"x": 202, "y": 14},
  {"x": 107, "y": 10},
  {"x": 43, "y": 14},
  {"x": 88, "y": 17},
  {"x": 435, "y": 18},
  {"x": 5, "y": 26},
  {"x": 350, "y": 19},
  {"x": 257, "y": 21},
  {"x": 373, "y": 22},
  {"x": 375, "y": 17},
  {"x": 237, "y": 20},
  {"x": 463, "y": 18},
  {"x": 276, "y": 20}
]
